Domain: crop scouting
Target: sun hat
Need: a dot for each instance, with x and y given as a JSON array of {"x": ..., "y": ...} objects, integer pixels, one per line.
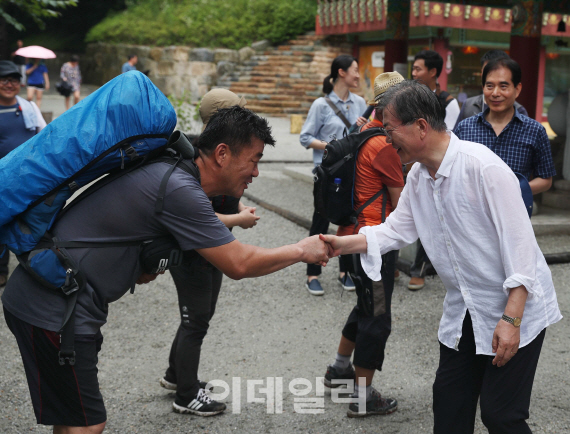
[
  {"x": 382, "y": 83},
  {"x": 217, "y": 99}
]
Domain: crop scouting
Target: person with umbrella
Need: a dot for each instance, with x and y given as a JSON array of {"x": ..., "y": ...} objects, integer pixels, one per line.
[
  {"x": 38, "y": 80},
  {"x": 36, "y": 71}
]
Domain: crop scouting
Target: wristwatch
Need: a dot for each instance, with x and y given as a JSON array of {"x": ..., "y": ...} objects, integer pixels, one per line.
[{"x": 516, "y": 321}]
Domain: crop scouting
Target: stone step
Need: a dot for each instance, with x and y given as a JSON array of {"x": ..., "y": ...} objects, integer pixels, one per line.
[
  {"x": 296, "y": 111},
  {"x": 273, "y": 79},
  {"x": 291, "y": 96},
  {"x": 274, "y": 103},
  {"x": 285, "y": 79},
  {"x": 267, "y": 110},
  {"x": 273, "y": 88},
  {"x": 279, "y": 98},
  {"x": 288, "y": 58},
  {"x": 280, "y": 68}
]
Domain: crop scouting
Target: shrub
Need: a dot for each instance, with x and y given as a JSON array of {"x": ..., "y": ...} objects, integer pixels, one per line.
[{"x": 206, "y": 23}]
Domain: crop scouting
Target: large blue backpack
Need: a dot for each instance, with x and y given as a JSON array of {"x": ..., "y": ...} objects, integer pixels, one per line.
[{"x": 115, "y": 129}]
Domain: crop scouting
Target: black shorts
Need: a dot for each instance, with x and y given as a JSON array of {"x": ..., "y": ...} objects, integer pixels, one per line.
[
  {"x": 37, "y": 86},
  {"x": 61, "y": 395},
  {"x": 370, "y": 323}
]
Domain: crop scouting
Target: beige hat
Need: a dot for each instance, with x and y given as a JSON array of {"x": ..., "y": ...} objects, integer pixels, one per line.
[
  {"x": 384, "y": 82},
  {"x": 217, "y": 99}
]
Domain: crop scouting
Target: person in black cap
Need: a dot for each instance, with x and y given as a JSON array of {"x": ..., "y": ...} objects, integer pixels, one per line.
[{"x": 19, "y": 121}]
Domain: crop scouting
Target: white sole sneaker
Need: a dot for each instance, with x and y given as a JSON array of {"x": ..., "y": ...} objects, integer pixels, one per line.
[
  {"x": 346, "y": 287},
  {"x": 185, "y": 410},
  {"x": 321, "y": 292},
  {"x": 167, "y": 384}
]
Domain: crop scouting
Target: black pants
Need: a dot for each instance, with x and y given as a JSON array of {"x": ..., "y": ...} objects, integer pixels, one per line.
[
  {"x": 4, "y": 261},
  {"x": 198, "y": 285},
  {"x": 370, "y": 322},
  {"x": 463, "y": 377},
  {"x": 421, "y": 263},
  {"x": 319, "y": 225}
]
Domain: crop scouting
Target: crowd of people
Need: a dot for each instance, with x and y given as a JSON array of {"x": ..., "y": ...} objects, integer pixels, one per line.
[
  {"x": 467, "y": 170},
  {"x": 451, "y": 179}
]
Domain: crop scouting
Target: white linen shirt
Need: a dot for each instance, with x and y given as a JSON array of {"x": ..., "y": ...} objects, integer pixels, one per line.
[{"x": 475, "y": 229}]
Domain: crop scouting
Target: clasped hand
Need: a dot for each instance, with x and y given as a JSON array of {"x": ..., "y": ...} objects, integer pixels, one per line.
[{"x": 318, "y": 249}]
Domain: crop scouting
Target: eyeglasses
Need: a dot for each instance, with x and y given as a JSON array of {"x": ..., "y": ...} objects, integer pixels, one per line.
[
  {"x": 12, "y": 80},
  {"x": 391, "y": 130}
]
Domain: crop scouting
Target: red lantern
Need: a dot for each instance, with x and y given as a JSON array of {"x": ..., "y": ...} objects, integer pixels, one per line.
[{"x": 469, "y": 49}]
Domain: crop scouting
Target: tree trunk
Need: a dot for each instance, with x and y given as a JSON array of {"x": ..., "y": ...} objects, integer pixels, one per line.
[{"x": 4, "y": 43}]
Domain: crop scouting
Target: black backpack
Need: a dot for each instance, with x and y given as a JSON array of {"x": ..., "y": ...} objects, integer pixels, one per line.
[{"x": 334, "y": 179}]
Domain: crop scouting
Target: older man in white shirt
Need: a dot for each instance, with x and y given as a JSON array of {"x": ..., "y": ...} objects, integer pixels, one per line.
[{"x": 465, "y": 205}]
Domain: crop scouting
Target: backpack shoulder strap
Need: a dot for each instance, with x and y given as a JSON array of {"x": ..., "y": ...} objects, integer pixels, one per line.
[
  {"x": 383, "y": 190},
  {"x": 337, "y": 112},
  {"x": 187, "y": 165},
  {"x": 444, "y": 97},
  {"x": 360, "y": 138},
  {"x": 364, "y": 136}
]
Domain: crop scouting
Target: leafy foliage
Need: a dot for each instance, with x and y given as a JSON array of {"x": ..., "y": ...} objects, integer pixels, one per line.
[
  {"x": 37, "y": 10},
  {"x": 187, "y": 114},
  {"x": 206, "y": 23}
]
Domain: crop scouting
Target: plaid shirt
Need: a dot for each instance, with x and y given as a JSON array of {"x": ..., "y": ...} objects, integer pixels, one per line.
[{"x": 523, "y": 144}]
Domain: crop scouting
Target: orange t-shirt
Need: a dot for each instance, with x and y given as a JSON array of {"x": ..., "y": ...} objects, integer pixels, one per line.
[{"x": 377, "y": 165}]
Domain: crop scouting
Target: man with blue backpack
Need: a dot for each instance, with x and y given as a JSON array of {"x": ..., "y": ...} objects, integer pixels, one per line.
[{"x": 100, "y": 237}]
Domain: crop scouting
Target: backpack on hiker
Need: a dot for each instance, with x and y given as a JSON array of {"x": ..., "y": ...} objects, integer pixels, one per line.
[
  {"x": 334, "y": 178},
  {"x": 128, "y": 122}
]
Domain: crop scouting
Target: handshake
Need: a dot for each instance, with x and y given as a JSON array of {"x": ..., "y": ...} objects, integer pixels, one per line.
[{"x": 318, "y": 249}]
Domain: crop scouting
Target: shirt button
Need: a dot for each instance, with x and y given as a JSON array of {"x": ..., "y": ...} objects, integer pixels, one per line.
[
  {"x": 448, "y": 244},
  {"x": 441, "y": 218},
  {"x": 456, "y": 269}
]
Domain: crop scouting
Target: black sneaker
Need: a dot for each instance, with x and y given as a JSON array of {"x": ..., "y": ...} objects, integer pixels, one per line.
[
  {"x": 202, "y": 405},
  {"x": 375, "y": 405},
  {"x": 172, "y": 386},
  {"x": 335, "y": 374}
]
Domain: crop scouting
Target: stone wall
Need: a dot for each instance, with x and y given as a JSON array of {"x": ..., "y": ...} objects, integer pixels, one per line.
[{"x": 175, "y": 69}]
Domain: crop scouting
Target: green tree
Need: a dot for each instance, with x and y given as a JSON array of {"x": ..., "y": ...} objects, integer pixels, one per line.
[
  {"x": 12, "y": 12},
  {"x": 38, "y": 10}
]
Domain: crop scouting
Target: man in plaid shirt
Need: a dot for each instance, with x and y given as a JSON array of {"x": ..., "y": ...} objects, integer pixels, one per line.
[{"x": 520, "y": 141}]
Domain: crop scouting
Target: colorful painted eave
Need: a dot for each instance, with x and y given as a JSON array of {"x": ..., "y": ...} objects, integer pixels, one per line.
[{"x": 357, "y": 16}]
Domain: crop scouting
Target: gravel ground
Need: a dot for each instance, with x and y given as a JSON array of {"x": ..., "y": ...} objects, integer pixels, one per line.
[{"x": 271, "y": 327}]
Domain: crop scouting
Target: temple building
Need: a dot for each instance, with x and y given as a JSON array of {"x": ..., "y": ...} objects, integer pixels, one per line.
[{"x": 386, "y": 34}]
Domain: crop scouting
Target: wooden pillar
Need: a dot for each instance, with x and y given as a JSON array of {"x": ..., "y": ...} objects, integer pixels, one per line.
[
  {"x": 397, "y": 27},
  {"x": 525, "y": 49},
  {"x": 541, "y": 79}
]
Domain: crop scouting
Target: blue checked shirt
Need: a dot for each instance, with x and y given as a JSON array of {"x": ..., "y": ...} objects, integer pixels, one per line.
[{"x": 523, "y": 144}]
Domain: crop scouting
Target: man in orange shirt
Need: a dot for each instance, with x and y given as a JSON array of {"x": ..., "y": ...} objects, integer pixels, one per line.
[{"x": 368, "y": 326}]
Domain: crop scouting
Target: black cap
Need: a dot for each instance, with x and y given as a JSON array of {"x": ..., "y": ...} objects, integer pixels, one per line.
[{"x": 9, "y": 68}]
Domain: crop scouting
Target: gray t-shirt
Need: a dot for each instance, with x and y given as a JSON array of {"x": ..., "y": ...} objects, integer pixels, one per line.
[{"x": 123, "y": 210}]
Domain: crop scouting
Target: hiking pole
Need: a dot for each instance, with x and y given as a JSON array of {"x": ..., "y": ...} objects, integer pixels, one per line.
[{"x": 366, "y": 115}]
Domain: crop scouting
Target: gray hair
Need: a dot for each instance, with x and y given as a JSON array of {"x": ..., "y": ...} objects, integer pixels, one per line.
[{"x": 410, "y": 100}]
